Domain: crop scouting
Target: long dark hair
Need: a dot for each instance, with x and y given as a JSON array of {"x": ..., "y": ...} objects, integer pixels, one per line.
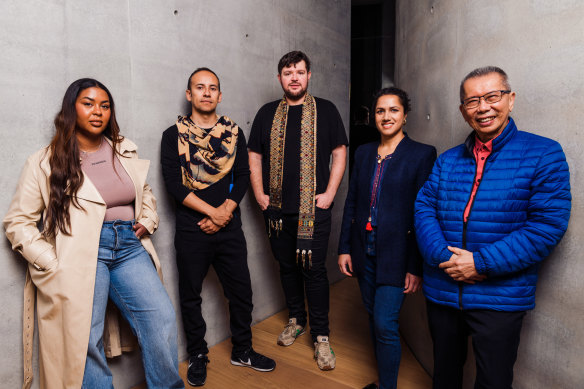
[{"x": 66, "y": 175}]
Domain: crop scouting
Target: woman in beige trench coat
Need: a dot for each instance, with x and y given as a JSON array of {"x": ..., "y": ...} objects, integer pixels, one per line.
[{"x": 63, "y": 258}]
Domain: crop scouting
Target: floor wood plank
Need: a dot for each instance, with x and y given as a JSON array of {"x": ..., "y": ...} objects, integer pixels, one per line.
[{"x": 296, "y": 368}]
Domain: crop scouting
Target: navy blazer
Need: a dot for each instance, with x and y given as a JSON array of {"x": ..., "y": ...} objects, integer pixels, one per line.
[{"x": 396, "y": 247}]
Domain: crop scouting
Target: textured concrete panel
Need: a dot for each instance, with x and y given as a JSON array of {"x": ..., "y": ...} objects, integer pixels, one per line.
[
  {"x": 540, "y": 44},
  {"x": 144, "y": 51}
]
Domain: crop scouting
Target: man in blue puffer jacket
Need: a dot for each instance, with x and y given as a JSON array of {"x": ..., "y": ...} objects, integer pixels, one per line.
[{"x": 491, "y": 211}]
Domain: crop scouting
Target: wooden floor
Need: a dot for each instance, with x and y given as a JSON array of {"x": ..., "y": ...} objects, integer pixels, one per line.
[{"x": 296, "y": 368}]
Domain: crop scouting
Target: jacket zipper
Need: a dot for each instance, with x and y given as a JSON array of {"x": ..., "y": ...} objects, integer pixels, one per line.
[
  {"x": 464, "y": 223},
  {"x": 463, "y": 247}
]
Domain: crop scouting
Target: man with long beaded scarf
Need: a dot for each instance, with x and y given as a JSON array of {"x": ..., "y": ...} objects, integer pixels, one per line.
[{"x": 290, "y": 148}]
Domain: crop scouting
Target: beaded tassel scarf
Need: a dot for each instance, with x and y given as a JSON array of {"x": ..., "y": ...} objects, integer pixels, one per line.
[
  {"x": 212, "y": 155},
  {"x": 307, "y": 175}
]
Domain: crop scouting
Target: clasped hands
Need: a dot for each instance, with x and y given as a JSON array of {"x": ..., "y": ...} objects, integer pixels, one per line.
[
  {"x": 217, "y": 219},
  {"x": 461, "y": 266}
]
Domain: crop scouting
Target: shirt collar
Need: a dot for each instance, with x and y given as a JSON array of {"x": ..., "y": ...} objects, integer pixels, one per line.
[{"x": 483, "y": 147}]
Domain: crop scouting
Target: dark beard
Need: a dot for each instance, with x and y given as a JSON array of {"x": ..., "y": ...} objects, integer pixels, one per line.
[{"x": 295, "y": 96}]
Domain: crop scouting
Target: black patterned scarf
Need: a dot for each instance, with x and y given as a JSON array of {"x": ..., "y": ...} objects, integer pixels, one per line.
[
  {"x": 206, "y": 157},
  {"x": 306, "y": 215}
]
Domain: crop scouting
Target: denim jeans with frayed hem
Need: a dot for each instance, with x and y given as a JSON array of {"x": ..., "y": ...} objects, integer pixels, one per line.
[
  {"x": 125, "y": 273},
  {"x": 383, "y": 303}
]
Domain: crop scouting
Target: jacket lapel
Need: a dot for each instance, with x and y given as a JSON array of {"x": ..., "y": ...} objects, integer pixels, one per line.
[
  {"x": 370, "y": 168},
  {"x": 87, "y": 191},
  {"x": 401, "y": 148},
  {"x": 137, "y": 169}
]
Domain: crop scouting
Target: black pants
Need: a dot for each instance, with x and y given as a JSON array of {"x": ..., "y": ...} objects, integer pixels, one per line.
[
  {"x": 296, "y": 279},
  {"x": 226, "y": 250},
  {"x": 495, "y": 340}
]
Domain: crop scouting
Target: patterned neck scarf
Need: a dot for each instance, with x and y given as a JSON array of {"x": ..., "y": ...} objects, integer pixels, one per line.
[
  {"x": 206, "y": 157},
  {"x": 307, "y": 175}
]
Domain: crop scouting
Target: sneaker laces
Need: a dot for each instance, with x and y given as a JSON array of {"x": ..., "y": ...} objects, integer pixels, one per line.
[
  {"x": 199, "y": 361},
  {"x": 323, "y": 349},
  {"x": 255, "y": 356},
  {"x": 290, "y": 328}
]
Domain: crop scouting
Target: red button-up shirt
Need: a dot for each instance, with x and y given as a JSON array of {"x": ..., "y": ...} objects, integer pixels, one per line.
[{"x": 481, "y": 152}]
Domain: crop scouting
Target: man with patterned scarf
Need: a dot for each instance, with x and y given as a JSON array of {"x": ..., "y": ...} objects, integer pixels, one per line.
[
  {"x": 205, "y": 168},
  {"x": 290, "y": 149}
]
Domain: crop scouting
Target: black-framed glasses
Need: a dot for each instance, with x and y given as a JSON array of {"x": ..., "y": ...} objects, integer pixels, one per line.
[{"x": 490, "y": 98}]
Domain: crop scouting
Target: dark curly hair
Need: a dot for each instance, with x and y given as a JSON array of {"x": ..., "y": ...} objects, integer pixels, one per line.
[
  {"x": 400, "y": 93},
  {"x": 292, "y": 58}
]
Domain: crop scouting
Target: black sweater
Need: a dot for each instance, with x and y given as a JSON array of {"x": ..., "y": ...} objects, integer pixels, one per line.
[{"x": 214, "y": 195}]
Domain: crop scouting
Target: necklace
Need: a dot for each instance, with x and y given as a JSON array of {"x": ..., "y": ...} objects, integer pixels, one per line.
[
  {"x": 211, "y": 122},
  {"x": 84, "y": 153}
]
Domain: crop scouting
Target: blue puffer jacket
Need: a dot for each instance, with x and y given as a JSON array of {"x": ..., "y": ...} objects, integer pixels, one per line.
[{"x": 519, "y": 215}]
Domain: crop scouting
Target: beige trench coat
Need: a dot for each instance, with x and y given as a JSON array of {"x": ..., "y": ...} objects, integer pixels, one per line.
[{"x": 62, "y": 272}]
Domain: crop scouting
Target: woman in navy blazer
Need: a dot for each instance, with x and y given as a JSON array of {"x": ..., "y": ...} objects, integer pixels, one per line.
[{"x": 377, "y": 242}]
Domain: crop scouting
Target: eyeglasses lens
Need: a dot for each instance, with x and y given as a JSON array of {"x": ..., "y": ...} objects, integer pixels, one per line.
[{"x": 490, "y": 98}]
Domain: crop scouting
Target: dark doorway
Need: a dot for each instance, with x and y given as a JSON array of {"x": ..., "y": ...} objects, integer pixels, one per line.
[
  {"x": 365, "y": 53},
  {"x": 372, "y": 63}
]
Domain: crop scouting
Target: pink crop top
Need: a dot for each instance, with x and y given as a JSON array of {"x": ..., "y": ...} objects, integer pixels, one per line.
[{"x": 115, "y": 186}]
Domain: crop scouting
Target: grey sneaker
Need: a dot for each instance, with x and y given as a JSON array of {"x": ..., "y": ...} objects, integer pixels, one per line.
[
  {"x": 324, "y": 354},
  {"x": 290, "y": 333}
]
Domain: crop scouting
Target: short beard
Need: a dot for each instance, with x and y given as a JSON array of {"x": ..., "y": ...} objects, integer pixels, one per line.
[{"x": 295, "y": 96}]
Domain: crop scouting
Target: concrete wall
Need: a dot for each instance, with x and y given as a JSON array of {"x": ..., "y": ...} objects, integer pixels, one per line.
[
  {"x": 540, "y": 44},
  {"x": 388, "y": 43},
  {"x": 144, "y": 51}
]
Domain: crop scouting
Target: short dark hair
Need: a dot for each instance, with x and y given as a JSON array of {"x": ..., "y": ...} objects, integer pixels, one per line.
[
  {"x": 197, "y": 70},
  {"x": 479, "y": 72},
  {"x": 403, "y": 97},
  {"x": 292, "y": 58}
]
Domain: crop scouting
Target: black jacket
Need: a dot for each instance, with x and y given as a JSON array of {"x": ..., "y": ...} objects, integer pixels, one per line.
[{"x": 396, "y": 248}]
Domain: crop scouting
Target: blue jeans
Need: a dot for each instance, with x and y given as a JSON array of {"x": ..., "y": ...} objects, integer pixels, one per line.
[
  {"x": 126, "y": 275},
  {"x": 383, "y": 303}
]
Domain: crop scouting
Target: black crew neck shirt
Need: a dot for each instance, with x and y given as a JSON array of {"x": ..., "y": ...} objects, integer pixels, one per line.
[{"x": 330, "y": 133}]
